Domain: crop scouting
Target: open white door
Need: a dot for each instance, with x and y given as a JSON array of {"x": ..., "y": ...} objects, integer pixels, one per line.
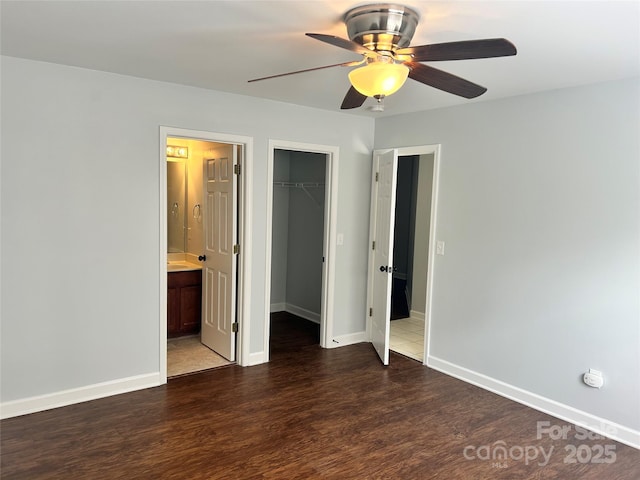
[
  {"x": 219, "y": 270},
  {"x": 383, "y": 207}
]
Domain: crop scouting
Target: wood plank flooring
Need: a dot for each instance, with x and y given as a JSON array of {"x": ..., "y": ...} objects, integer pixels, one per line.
[{"x": 310, "y": 413}]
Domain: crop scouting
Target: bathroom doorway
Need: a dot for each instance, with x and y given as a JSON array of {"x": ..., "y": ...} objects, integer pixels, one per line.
[
  {"x": 202, "y": 296},
  {"x": 404, "y": 182},
  {"x": 301, "y": 213},
  {"x": 410, "y": 255}
]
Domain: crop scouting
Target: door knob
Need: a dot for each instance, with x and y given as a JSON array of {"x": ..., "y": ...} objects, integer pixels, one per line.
[
  {"x": 202, "y": 258},
  {"x": 383, "y": 268}
]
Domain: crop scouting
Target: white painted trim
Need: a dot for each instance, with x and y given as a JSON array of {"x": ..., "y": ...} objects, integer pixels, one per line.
[
  {"x": 257, "y": 358},
  {"x": 162, "y": 329},
  {"x": 77, "y": 395},
  {"x": 243, "y": 294},
  {"x": 245, "y": 237},
  {"x": 331, "y": 214},
  {"x": 596, "y": 424},
  {"x": 432, "y": 247},
  {"x": 348, "y": 339},
  {"x": 268, "y": 254},
  {"x": 296, "y": 310},
  {"x": 278, "y": 307},
  {"x": 330, "y": 235},
  {"x": 303, "y": 313},
  {"x": 373, "y": 207}
]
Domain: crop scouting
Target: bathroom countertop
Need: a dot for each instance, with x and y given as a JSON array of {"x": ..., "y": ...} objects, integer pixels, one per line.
[{"x": 182, "y": 266}]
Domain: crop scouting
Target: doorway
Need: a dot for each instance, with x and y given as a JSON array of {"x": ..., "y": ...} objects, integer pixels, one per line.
[
  {"x": 403, "y": 210},
  {"x": 202, "y": 273},
  {"x": 410, "y": 255},
  {"x": 191, "y": 345},
  {"x": 301, "y": 210}
]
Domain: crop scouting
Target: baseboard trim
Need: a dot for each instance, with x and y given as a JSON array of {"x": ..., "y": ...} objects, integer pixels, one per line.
[
  {"x": 256, "y": 358},
  {"x": 564, "y": 412},
  {"x": 63, "y": 398},
  {"x": 278, "y": 307},
  {"x": 417, "y": 315},
  {"x": 295, "y": 310},
  {"x": 303, "y": 313},
  {"x": 348, "y": 339}
]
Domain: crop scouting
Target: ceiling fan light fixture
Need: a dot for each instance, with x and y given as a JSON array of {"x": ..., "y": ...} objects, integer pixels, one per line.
[{"x": 379, "y": 78}]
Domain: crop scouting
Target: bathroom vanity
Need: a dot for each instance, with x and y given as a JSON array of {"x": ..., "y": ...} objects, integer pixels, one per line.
[{"x": 184, "y": 302}]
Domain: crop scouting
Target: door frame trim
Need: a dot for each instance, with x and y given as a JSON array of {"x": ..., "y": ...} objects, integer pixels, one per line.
[
  {"x": 404, "y": 152},
  {"x": 245, "y": 213},
  {"x": 329, "y": 242}
]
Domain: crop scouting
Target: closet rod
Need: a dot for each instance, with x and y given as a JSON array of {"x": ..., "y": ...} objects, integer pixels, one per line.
[{"x": 298, "y": 184}]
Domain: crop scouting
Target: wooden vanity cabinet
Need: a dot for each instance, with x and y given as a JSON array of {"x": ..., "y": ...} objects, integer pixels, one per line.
[{"x": 184, "y": 302}]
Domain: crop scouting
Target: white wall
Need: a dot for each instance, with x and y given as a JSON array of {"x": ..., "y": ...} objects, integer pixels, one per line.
[
  {"x": 539, "y": 208},
  {"x": 80, "y": 216}
]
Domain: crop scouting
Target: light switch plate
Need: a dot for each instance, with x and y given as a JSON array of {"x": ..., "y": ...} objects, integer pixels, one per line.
[{"x": 439, "y": 247}]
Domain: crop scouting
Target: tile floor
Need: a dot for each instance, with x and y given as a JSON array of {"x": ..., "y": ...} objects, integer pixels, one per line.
[
  {"x": 188, "y": 355},
  {"x": 407, "y": 337}
]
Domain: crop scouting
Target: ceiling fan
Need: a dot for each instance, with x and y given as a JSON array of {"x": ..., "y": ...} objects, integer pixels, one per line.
[{"x": 381, "y": 33}]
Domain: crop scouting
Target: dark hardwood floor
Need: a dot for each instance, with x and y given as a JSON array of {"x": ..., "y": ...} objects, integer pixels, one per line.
[
  {"x": 290, "y": 333},
  {"x": 310, "y": 413}
]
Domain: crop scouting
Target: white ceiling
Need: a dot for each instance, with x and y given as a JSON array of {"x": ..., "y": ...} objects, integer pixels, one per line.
[{"x": 220, "y": 45}]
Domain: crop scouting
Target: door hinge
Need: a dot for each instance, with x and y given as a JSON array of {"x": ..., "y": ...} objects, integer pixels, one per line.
[
  {"x": 377, "y": 176},
  {"x": 234, "y": 327},
  {"x": 371, "y": 312},
  {"x": 373, "y": 245},
  {"x": 236, "y": 249},
  {"x": 236, "y": 169}
]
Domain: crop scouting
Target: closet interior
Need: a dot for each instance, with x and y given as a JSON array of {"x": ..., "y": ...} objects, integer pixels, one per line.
[{"x": 298, "y": 234}]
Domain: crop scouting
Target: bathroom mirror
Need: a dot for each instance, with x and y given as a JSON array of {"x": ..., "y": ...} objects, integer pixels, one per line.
[{"x": 176, "y": 206}]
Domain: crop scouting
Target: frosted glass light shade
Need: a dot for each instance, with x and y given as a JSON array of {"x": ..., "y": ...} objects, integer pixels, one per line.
[{"x": 379, "y": 78}]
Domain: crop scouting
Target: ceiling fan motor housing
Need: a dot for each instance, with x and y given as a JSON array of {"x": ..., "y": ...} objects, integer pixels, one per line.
[{"x": 382, "y": 27}]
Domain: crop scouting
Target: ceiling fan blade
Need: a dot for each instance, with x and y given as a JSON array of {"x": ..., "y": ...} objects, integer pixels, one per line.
[
  {"x": 341, "y": 42},
  {"x": 353, "y": 99},
  {"x": 345, "y": 64},
  {"x": 444, "y": 81},
  {"x": 465, "y": 50}
]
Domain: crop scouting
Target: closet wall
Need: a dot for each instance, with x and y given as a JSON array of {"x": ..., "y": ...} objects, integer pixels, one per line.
[{"x": 298, "y": 233}]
